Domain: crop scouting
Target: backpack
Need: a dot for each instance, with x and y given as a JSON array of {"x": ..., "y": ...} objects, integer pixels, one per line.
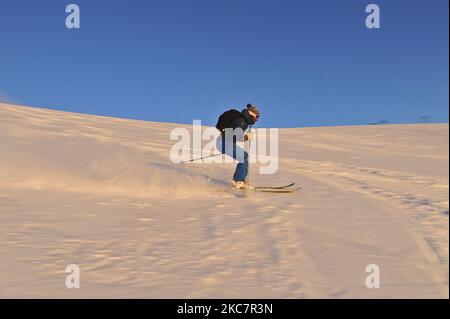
[{"x": 227, "y": 118}]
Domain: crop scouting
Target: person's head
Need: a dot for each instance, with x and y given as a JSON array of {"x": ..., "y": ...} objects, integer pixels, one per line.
[{"x": 253, "y": 111}]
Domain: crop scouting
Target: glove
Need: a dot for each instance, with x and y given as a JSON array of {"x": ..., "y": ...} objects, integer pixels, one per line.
[{"x": 249, "y": 136}]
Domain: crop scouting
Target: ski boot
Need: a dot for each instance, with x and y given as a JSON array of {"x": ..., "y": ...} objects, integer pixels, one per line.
[{"x": 241, "y": 185}]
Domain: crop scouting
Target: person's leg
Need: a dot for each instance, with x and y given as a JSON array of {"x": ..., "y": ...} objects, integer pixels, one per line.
[
  {"x": 236, "y": 152},
  {"x": 241, "y": 172}
]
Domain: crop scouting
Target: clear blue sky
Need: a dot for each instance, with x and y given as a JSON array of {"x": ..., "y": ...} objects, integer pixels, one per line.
[{"x": 306, "y": 63}]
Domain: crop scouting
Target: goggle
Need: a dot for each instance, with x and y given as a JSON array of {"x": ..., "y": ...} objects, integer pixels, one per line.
[{"x": 254, "y": 115}]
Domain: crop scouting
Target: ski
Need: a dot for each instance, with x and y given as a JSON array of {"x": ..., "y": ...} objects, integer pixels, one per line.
[
  {"x": 268, "y": 190},
  {"x": 274, "y": 187}
]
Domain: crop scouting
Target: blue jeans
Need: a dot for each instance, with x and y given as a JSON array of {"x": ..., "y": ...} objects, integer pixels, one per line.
[{"x": 236, "y": 152}]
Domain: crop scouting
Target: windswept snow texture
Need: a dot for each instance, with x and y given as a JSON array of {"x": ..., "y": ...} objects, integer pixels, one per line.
[{"x": 101, "y": 193}]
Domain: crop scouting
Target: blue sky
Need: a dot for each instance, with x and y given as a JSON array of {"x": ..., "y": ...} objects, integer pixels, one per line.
[{"x": 305, "y": 63}]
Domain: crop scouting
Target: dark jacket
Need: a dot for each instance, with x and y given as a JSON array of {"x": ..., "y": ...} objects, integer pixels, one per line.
[{"x": 242, "y": 122}]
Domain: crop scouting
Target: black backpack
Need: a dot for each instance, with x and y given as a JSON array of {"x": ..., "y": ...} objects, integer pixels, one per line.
[{"x": 226, "y": 118}]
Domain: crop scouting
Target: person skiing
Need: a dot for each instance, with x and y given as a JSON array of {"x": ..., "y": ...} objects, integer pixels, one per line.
[{"x": 237, "y": 123}]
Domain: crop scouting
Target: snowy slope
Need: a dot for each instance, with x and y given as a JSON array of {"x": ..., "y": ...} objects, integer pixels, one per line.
[{"x": 100, "y": 192}]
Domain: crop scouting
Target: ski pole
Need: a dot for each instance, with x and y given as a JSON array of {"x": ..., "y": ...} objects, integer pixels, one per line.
[{"x": 198, "y": 159}]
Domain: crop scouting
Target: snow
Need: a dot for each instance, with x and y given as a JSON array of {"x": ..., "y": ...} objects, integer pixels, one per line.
[{"x": 101, "y": 193}]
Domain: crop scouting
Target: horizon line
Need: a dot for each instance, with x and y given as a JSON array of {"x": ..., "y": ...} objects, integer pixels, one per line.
[{"x": 379, "y": 123}]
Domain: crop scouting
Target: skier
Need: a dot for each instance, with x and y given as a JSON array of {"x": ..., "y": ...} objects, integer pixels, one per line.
[{"x": 233, "y": 119}]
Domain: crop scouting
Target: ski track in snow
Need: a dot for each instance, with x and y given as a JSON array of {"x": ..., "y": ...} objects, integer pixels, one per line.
[
  {"x": 100, "y": 192},
  {"x": 408, "y": 199},
  {"x": 403, "y": 191}
]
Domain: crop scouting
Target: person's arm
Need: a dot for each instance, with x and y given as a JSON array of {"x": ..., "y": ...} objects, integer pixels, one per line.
[{"x": 240, "y": 123}]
